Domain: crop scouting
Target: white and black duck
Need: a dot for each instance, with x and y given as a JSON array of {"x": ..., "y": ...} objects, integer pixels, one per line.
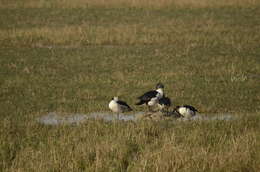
[
  {"x": 151, "y": 98},
  {"x": 164, "y": 103},
  {"x": 186, "y": 111},
  {"x": 118, "y": 106}
]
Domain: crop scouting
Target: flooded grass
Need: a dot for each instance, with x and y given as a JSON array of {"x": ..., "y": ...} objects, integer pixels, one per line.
[{"x": 61, "y": 119}]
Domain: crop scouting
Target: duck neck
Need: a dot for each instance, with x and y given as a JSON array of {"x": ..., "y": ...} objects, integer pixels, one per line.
[{"x": 160, "y": 90}]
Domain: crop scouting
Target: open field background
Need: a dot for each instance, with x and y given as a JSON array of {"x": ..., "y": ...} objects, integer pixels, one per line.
[
  {"x": 74, "y": 56},
  {"x": 126, "y": 3}
]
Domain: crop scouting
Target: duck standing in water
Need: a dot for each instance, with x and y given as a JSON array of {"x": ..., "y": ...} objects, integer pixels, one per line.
[{"x": 118, "y": 106}]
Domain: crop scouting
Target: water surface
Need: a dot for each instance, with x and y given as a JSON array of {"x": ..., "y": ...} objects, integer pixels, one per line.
[{"x": 54, "y": 118}]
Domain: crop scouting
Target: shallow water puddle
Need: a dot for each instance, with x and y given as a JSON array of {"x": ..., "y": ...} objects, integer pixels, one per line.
[
  {"x": 54, "y": 118},
  {"x": 210, "y": 117}
]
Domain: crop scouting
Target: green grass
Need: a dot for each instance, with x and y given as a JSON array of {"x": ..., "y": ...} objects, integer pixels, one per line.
[{"x": 74, "y": 60}]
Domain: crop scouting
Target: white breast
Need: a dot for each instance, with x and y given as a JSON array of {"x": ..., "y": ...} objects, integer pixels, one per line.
[
  {"x": 160, "y": 93},
  {"x": 185, "y": 112},
  {"x": 113, "y": 105}
]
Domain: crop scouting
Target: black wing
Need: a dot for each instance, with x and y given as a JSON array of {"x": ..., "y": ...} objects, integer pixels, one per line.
[
  {"x": 165, "y": 101},
  {"x": 123, "y": 103},
  {"x": 190, "y": 107},
  {"x": 148, "y": 95}
]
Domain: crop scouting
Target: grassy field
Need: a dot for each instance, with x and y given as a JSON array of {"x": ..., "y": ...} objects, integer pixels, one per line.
[{"x": 74, "y": 56}]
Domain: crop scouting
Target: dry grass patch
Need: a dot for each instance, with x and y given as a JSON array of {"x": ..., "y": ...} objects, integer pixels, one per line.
[
  {"x": 125, "y": 3},
  {"x": 190, "y": 35},
  {"x": 128, "y": 146}
]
